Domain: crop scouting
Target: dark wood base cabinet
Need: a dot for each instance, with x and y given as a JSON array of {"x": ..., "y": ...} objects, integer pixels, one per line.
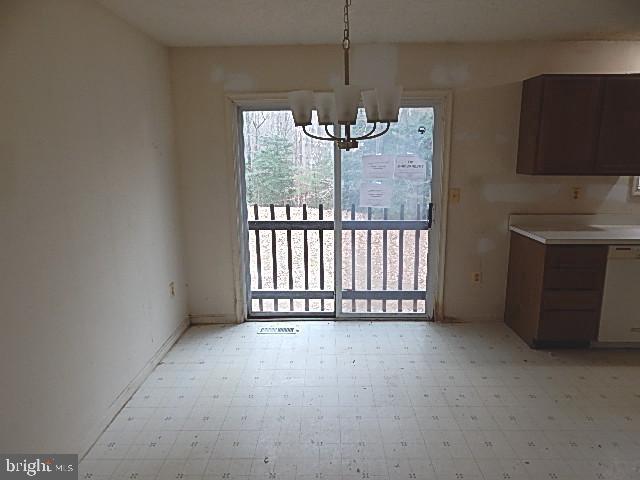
[{"x": 554, "y": 292}]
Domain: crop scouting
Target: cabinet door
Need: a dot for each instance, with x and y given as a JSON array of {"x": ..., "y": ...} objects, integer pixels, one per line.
[
  {"x": 569, "y": 125},
  {"x": 619, "y": 143},
  {"x": 524, "y": 286}
]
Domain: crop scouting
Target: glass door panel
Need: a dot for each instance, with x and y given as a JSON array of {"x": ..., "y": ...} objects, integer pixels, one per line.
[
  {"x": 289, "y": 198},
  {"x": 386, "y": 196}
]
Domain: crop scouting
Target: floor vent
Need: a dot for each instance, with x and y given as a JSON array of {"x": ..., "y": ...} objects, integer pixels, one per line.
[{"x": 278, "y": 330}]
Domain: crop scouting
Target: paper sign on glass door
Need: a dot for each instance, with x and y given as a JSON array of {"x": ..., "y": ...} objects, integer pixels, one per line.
[
  {"x": 377, "y": 166},
  {"x": 375, "y": 194},
  {"x": 410, "y": 167}
]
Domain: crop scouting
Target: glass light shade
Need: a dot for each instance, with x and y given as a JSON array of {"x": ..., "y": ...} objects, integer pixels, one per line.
[
  {"x": 326, "y": 105},
  {"x": 301, "y": 104},
  {"x": 389, "y": 103},
  {"x": 347, "y": 101},
  {"x": 370, "y": 100}
]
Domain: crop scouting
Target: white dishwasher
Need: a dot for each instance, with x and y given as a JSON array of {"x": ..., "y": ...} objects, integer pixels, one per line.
[{"x": 620, "y": 316}]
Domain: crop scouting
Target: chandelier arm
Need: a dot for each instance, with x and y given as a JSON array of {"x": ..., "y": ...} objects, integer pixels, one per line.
[
  {"x": 366, "y": 136},
  {"x": 326, "y": 129},
  {"x": 316, "y": 137},
  {"x": 379, "y": 134}
]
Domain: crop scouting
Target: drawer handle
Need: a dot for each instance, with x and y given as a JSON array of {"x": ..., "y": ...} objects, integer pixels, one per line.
[{"x": 574, "y": 266}]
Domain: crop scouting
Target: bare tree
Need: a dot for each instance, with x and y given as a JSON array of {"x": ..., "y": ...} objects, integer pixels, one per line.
[{"x": 254, "y": 120}]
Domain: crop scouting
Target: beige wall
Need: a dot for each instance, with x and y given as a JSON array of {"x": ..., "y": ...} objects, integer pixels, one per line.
[
  {"x": 486, "y": 83},
  {"x": 89, "y": 231}
]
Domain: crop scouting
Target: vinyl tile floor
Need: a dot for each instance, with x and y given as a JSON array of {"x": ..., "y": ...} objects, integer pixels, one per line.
[{"x": 375, "y": 400}]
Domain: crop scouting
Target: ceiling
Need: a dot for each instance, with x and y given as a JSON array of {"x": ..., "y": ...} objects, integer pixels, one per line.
[{"x": 282, "y": 22}]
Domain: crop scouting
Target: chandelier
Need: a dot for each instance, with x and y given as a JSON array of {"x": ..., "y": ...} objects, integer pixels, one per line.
[{"x": 381, "y": 105}]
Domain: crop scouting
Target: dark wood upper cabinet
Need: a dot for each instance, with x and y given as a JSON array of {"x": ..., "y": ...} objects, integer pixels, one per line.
[
  {"x": 619, "y": 141},
  {"x": 580, "y": 125}
]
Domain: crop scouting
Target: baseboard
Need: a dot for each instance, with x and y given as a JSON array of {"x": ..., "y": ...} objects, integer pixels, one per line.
[
  {"x": 473, "y": 319},
  {"x": 212, "y": 318},
  {"x": 124, "y": 396}
]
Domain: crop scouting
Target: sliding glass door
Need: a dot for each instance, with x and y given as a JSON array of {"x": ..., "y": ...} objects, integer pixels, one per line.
[{"x": 333, "y": 233}]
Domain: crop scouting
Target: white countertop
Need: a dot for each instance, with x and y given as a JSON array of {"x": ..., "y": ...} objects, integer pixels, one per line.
[{"x": 578, "y": 229}]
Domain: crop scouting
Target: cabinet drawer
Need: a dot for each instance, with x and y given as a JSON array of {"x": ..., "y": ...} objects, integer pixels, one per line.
[
  {"x": 568, "y": 326},
  {"x": 568, "y": 257},
  {"x": 575, "y": 279},
  {"x": 571, "y": 326},
  {"x": 578, "y": 300}
]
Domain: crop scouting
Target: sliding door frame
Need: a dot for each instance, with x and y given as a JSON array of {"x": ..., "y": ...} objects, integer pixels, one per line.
[{"x": 441, "y": 101}]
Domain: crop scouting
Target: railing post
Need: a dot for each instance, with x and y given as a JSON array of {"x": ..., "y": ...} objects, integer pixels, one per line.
[
  {"x": 401, "y": 256},
  {"x": 289, "y": 256},
  {"x": 416, "y": 258},
  {"x": 306, "y": 257},
  {"x": 385, "y": 216},
  {"x": 369, "y": 259},
  {"x": 321, "y": 240},
  {"x": 274, "y": 257},
  {"x": 353, "y": 257},
  {"x": 258, "y": 254}
]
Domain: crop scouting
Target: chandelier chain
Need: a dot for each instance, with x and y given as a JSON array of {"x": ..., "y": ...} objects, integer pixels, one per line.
[{"x": 346, "y": 42}]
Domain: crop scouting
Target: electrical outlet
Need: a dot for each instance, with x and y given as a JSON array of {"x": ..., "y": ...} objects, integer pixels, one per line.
[
  {"x": 576, "y": 193},
  {"x": 172, "y": 289},
  {"x": 476, "y": 277},
  {"x": 454, "y": 195}
]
